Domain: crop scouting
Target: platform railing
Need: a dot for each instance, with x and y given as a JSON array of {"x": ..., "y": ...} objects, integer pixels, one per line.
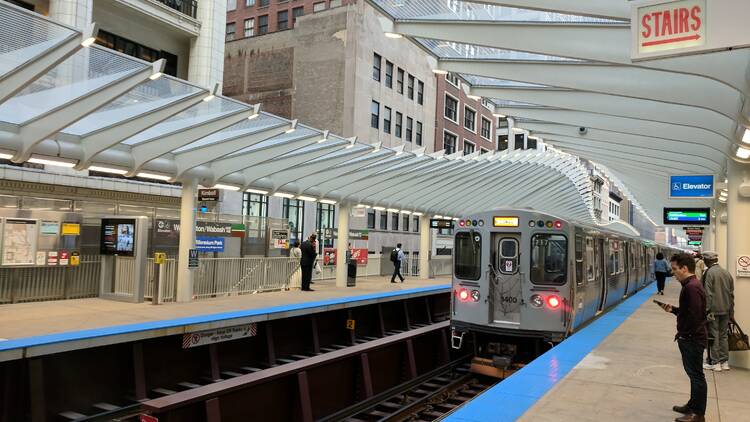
[
  {"x": 441, "y": 265},
  {"x": 235, "y": 276},
  {"x": 29, "y": 284}
]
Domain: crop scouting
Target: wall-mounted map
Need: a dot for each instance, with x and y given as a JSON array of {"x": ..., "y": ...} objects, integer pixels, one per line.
[{"x": 19, "y": 242}]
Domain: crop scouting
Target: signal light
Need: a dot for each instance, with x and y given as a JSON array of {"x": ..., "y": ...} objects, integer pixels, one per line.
[
  {"x": 549, "y": 224},
  {"x": 558, "y": 224},
  {"x": 461, "y": 223},
  {"x": 553, "y": 302},
  {"x": 463, "y": 294},
  {"x": 532, "y": 223},
  {"x": 475, "y": 295}
]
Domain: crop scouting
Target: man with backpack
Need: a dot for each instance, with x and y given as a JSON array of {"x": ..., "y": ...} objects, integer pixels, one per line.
[{"x": 397, "y": 257}]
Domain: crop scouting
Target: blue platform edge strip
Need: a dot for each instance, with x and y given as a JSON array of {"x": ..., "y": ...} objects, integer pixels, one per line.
[
  {"x": 510, "y": 399},
  {"x": 199, "y": 319}
]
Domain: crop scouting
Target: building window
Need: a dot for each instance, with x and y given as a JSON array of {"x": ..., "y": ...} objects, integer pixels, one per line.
[
  {"x": 468, "y": 147},
  {"x": 387, "y": 119},
  {"x": 399, "y": 122},
  {"x": 262, "y": 24},
  {"x": 376, "y": 61},
  {"x": 400, "y": 81},
  {"x": 394, "y": 221},
  {"x": 22, "y": 4},
  {"x": 519, "y": 141},
  {"x": 420, "y": 92},
  {"x": 375, "y": 115},
  {"x": 319, "y": 7},
  {"x": 249, "y": 27},
  {"x": 449, "y": 142},
  {"x": 383, "y": 220},
  {"x": 294, "y": 211},
  {"x": 371, "y": 218},
  {"x": 249, "y": 3},
  {"x": 255, "y": 205},
  {"x": 470, "y": 119},
  {"x": 451, "y": 108},
  {"x": 231, "y": 5},
  {"x": 502, "y": 142},
  {"x": 264, "y": 3},
  {"x": 409, "y": 128},
  {"x": 335, "y": 3},
  {"x": 230, "y": 32},
  {"x": 415, "y": 224},
  {"x": 125, "y": 46},
  {"x": 453, "y": 79},
  {"x": 410, "y": 87},
  {"x": 483, "y": 151},
  {"x": 282, "y": 20},
  {"x": 405, "y": 223},
  {"x": 530, "y": 143},
  {"x": 324, "y": 219},
  {"x": 418, "y": 138},
  {"x": 486, "y": 128},
  {"x": 297, "y": 12},
  {"x": 388, "y": 74}
]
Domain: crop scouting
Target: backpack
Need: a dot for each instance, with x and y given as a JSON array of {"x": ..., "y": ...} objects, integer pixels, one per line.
[{"x": 394, "y": 255}]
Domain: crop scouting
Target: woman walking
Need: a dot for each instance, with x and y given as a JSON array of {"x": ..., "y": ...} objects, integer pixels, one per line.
[{"x": 661, "y": 270}]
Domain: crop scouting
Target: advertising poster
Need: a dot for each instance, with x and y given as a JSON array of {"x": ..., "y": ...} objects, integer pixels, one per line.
[
  {"x": 117, "y": 237},
  {"x": 19, "y": 242},
  {"x": 280, "y": 239},
  {"x": 358, "y": 254}
]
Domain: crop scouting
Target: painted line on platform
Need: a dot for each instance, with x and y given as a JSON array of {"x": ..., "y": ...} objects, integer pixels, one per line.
[
  {"x": 510, "y": 399},
  {"x": 47, "y": 339}
]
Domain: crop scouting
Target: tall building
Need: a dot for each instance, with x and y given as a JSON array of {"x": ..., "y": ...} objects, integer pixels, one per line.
[{"x": 463, "y": 123}]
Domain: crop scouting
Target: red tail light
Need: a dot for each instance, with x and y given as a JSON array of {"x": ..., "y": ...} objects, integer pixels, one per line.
[
  {"x": 463, "y": 294},
  {"x": 553, "y": 302}
]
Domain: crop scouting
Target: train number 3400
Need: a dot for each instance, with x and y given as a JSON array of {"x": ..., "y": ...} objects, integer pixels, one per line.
[{"x": 509, "y": 299}]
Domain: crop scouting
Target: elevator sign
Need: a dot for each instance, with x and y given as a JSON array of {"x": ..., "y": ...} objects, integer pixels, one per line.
[
  {"x": 691, "y": 186},
  {"x": 671, "y": 26}
]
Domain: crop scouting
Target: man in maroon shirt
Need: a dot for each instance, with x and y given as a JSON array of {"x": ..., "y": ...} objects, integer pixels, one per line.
[{"x": 691, "y": 335}]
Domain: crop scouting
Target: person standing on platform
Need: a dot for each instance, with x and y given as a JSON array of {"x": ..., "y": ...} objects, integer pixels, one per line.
[
  {"x": 691, "y": 335},
  {"x": 661, "y": 271},
  {"x": 700, "y": 267},
  {"x": 309, "y": 254},
  {"x": 296, "y": 254},
  {"x": 398, "y": 258},
  {"x": 719, "y": 286}
]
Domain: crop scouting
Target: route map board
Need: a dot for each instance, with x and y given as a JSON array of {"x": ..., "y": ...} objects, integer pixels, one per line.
[{"x": 19, "y": 242}]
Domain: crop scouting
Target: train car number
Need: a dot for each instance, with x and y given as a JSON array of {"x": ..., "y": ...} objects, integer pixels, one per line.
[{"x": 508, "y": 299}]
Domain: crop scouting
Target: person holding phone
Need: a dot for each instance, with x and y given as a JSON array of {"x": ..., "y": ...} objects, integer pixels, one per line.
[{"x": 691, "y": 335}]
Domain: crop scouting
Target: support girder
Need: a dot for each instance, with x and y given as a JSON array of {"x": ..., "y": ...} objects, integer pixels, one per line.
[
  {"x": 332, "y": 174},
  {"x": 424, "y": 187},
  {"x": 400, "y": 181},
  {"x": 387, "y": 192},
  {"x": 352, "y": 189},
  {"x": 623, "y": 81},
  {"x": 360, "y": 173},
  {"x": 611, "y": 9},
  {"x": 659, "y": 164}
]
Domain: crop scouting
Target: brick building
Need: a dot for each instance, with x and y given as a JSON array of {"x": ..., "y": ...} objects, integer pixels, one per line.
[{"x": 462, "y": 123}]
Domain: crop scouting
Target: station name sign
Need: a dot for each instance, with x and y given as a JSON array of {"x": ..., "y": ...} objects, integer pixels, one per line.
[{"x": 698, "y": 216}]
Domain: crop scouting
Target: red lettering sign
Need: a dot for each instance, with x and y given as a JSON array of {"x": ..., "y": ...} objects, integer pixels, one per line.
[{"x": 672, "y": 25}]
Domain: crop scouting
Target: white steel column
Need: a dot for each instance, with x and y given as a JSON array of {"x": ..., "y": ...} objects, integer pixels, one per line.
[
  {"x": 738, "y": 243},
  {"x": 425, "y": 233},
  {"x": 342, "y": 244},
  {"x": 187, "y": 241},
  {"x": 206, "y": 66},
  {"x": 721, "y": 234}
]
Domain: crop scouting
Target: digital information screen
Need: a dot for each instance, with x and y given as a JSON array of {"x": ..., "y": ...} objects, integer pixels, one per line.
[
  {"x": 505, "y": 221},
  {"x": 699, "y": 216},
  {"x": 117, "y": 236}
]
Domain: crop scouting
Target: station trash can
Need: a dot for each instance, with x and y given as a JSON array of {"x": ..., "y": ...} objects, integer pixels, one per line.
[{"x": 351, "y": 273}]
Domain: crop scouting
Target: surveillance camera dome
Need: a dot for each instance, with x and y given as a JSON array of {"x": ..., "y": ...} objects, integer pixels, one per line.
[{"x": 582, "y": 130}]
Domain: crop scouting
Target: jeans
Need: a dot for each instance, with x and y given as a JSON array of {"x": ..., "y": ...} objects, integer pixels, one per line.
[
  {"x": 306, "y": 276},
  {"x": 660, "y": 279},
  {"x": 692, "y": 361},
  {"x": 719, "y": 331},
  {"x": 397, "y": 271}
]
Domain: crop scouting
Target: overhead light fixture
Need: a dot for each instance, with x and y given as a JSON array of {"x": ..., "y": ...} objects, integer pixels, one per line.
[
  {"x": 723, "y": 194},
  {"x": 405, "y": 212},
  {"x": 502, "y": 116},
  {"x": 393, "y": 35},
  {"x": 225, "y": 187},
  {"x": 327, "y": 201},
  {"x": 306, "y": 198},
  {"x": 155, "y": 76},
  {"x": 283, "y": 195},
  {"x": 723, "y": 199},
  {"x": 112, "y": 170},
  {"x": 321, "y": 140},
  {"x": 379, "y": 208},
  {"x": 746, "y": 136},
  {"x": 253, "y": 116},
  {"x": 362, "y": 206},
  {"x": 209, "y": 97},
  {"x": 258, "y": 191},
  {"x": 743, "y": 153},
  {"x": 417, "y": 213},
  {"x": 726, "y": 180},
  {"x": 290, "y": 130},
  {"x": 392, "y": 210},
  {"x": 5, "y": 156},
  {"x": 439, "y": 71},
  {"x": 53, "y": 161},
  {"x": 437, "y": 216},
  {"x": 88, "y": 42},
  {"x": 475, "y": 97},
  {"x": 147, "y": 175}
]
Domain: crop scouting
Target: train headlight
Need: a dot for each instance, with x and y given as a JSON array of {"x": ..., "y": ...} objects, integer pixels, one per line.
[
  {"x": 475, "y": 295},
  {"x": 463, "y": 294},
  {"x": 532, "y": 223},
  {"x": 536, "y": 301},
  {"x": 553, "y": 302}
]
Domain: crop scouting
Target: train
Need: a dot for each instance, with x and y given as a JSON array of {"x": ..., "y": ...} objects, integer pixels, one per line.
[{"x": 524, "y": 280}]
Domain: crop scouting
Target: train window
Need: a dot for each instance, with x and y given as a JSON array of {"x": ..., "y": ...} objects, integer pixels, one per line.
[
  {"x": 549, "y": 257},
  {"x": 589, "y": 259},
  {"x": 579, "y": 259},
  {"x": 508, "y": 262},
  {"x": 468, "y": 255},
  {"x": 508, "y": 248}
]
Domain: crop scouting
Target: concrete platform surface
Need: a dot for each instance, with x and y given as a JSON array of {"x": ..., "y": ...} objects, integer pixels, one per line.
[
  {"x": 44, "y": 325},
  {"x": 636, "y": 374}
]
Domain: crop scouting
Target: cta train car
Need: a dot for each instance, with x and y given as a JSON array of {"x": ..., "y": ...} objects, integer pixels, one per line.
[{"x": 520, "y": 274}]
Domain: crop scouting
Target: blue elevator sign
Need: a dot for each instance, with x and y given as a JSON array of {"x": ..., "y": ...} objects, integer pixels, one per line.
[{"x": 691, "y": 186}]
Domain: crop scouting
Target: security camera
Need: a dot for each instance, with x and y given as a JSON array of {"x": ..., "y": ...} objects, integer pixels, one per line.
[{"x": 582, "y": 130}]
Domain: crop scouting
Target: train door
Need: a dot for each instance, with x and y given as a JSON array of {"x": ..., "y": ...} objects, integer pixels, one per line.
[
  {"x": 601, "y": 273},
  {"x": 628, "y": 272},
  {"x": 506, "y": 279}
]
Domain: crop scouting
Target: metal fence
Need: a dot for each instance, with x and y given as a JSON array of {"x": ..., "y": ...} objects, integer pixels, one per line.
[
  {"x": 441, "y": 265},
  {"x": 168, "y": 286},
  {"x": 229, "y": 276},
  {"x": 50, "y": 283}
]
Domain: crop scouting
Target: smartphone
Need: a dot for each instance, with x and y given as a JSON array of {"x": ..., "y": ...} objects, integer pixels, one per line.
[{"x": 662, "y": 304}]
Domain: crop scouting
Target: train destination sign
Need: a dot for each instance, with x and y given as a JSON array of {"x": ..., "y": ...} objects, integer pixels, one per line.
[
  {"x": 691, "y": 186},
  {"x": 695, "y": 243},
  {"x": 437, "y": 223},
  {"x": 700, "y": 216},
  {"x": 505, "y": 221}
]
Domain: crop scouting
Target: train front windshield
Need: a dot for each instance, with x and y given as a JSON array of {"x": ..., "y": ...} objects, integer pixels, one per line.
[
  {"x": 468, "y": 256},
  {"x": 549, "y": 255}
]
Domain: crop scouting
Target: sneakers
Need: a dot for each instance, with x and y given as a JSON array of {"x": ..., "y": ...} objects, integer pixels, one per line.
[
  {"x": 725, "y": 366},
  {"x": 715, "y": 367}
]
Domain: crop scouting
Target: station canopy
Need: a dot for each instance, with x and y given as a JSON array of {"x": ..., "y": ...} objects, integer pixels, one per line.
[
  {"x": 563, "y": 71},
  {"x": 67, "y": 102}
]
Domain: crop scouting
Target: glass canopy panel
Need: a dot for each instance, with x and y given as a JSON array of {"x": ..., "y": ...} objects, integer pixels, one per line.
[
  {"x": 142, "y": 99},
  {"x": 464, "y": 10},
  {"x": 300, "y": 133},
  {"x": 25, "y": 36},
  {"x": 456, "y": 50},
  {"x": 244, "y": 128},
  {"x": 474, "y": 80},
  {"x": 201, "y": 113},
  {"x": 509, "y": 103},
  {"x": 81, "y": 74},
  {"x": 357, "y": 148}
]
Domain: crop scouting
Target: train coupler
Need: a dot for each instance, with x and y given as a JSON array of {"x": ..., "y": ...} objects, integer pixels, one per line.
[{"x": 457, "y": 339}]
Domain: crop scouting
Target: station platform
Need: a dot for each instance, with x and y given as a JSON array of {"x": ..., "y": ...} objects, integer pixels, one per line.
[
  {"x": 40, "y": 328},
  {"x": 624, "y": 366}
]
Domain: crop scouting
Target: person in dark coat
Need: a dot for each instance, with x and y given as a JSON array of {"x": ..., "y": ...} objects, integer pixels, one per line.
[
  {"x": 691, "y": 335},
  {"x": 309, "y": 254}
]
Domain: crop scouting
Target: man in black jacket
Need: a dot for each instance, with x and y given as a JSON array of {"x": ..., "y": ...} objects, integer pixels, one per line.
[
  {"x": 691, "y": 335},
  {"x": 308, "y": 260}
]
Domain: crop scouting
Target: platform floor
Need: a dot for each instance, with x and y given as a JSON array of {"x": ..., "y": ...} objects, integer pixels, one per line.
[
  {"x": 26, "y": 322},
  {"x": 636, "y": 374}
]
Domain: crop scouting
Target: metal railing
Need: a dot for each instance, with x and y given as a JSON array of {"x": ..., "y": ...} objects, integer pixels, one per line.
[
  {"x": 168, "y": 284},
  {"x": 228, "y": 276},
  {"x": 441, "y": 265},
  {"x": 187, "y": 7},
  {"x": 50, "y": 283}
]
